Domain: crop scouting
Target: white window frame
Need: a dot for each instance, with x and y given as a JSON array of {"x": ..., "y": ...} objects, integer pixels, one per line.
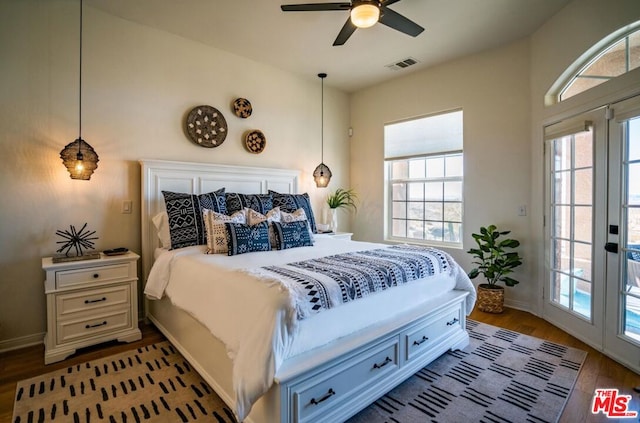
[{"x": 390, "y": 180}]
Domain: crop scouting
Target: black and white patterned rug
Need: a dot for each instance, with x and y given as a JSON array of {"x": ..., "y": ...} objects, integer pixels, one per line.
[{"x": 502, "y": 376}]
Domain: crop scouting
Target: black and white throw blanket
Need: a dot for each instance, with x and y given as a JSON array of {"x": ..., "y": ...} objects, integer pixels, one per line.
[{"x": 326, "y": 282}]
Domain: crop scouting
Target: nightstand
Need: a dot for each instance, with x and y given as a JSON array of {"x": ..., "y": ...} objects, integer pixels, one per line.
[
  {"x": 336, "y": 235},
  {"x": 89, "y": 302}
]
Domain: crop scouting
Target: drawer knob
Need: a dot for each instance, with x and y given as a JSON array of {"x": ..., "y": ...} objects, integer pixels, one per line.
[
  {"x": 95, "y": 301},
  {"x": 421, "y": 341},
  {"x": 384, "y": 363},
  {"x": 325, "y": 397},
  {"x": 453, "y": 322},
  {"x": 96, "y": 325},
  {"x": 96, "y": 276}
]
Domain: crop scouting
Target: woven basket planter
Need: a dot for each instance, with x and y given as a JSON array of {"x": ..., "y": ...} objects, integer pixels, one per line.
[{"x": 490, "y": 300}]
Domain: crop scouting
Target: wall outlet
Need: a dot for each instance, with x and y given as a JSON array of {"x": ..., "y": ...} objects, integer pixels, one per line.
[
  {"x": 522, "y": 210},
  {"x": 127, "y": 206}
]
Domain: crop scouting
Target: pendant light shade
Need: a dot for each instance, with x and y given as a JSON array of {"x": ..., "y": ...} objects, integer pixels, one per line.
[
  {"x": 79, "y": 157},
  {"x": 322, "y": 174}
]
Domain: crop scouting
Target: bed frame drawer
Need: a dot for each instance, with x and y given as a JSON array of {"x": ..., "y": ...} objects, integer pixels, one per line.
[
  {"x": 417, "y": 340},
  {"x": 312, "y": 398}
]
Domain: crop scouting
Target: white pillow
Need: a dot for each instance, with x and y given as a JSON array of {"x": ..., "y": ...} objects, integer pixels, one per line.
[
  {"x": 216, "y": 231},
  {"x": 161, "y": 222}
]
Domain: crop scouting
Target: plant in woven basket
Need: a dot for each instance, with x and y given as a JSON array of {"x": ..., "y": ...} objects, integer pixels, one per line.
[{"x": 495, "y": 258}]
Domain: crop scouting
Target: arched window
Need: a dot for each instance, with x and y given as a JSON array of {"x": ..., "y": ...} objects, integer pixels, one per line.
[{"x": 615, "y": 55}]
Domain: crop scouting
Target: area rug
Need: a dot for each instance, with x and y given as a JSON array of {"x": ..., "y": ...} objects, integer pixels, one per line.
[{"x": 502, "y": 376}]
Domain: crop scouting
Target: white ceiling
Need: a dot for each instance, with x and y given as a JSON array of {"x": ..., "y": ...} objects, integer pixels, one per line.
[{"x": 301, "y": 42}]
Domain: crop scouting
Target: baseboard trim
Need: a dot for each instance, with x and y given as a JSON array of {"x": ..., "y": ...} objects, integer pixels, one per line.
[
  {"x": 21, "y": 342},
  {"x": 519, "y": 305}
]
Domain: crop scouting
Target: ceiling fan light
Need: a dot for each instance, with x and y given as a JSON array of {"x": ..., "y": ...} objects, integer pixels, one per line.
[{"x": 365, "y": 15}]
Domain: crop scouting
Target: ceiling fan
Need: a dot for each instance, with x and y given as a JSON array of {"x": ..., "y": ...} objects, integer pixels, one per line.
[{"x": 363, "y": 14}]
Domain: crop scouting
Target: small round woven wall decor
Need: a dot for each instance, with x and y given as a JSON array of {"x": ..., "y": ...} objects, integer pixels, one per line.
[
  {"x": 206, "y": 126},
  {"x": 255, "y": 141},
  {"x": 242, "y": 108}
]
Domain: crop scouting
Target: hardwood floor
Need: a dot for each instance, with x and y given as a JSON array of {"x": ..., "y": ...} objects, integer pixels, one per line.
[{"x": 598, "y": 371}]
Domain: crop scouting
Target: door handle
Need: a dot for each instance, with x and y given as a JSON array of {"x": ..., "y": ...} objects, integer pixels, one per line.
[{"x": 611, "y": 247}]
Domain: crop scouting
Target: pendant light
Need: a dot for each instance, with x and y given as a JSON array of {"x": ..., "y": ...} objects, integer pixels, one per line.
[
  {"x": 78, "y": 156},
  {"x": 322, "y": 174}
]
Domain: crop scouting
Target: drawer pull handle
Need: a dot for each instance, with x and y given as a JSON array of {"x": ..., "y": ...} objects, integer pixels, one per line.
[
  {"x": 96, "y": 325},
  {"x": 422, "y": 341},
  {"x": 326, "y": 396},
  {"x": 96, "y": 276},
  {"x": 95, "y": 301},
  {"x": 453, "y": 322},
  {"x": 384, "y": 363}
]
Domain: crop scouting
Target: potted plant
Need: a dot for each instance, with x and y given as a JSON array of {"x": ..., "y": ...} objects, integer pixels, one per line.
[
  {"x": 496, "y": 259},
  {"x": 340, "y": 198}
]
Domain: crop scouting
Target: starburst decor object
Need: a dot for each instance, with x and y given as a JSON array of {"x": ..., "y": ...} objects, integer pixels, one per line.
[{"x": 77, "y": 240}]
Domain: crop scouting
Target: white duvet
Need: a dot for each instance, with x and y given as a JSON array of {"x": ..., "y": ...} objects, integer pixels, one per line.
[{"x": 256, "y": 318}]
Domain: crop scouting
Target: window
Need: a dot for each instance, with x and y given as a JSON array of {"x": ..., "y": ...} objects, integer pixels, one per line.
[
  {"x": 614, "y": 59},
  {"x": 424, "y": 179}
]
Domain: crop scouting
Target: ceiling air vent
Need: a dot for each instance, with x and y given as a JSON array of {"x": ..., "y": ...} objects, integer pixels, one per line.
[{"x": 405, "y": 63}]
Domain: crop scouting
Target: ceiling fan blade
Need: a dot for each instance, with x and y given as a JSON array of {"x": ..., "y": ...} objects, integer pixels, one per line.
[
  {"x": 347, "y": 30},
  {"x": 398, "y": 22},
  {"x": 388, "y": 2},
  {"x": 315, "y": 7}
]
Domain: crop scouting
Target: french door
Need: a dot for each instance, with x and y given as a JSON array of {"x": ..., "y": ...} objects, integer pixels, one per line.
[
  {"x": 576, "y": 151},
  {"x": 592, "y": 227},
  {"x": 622, "y": 315}
]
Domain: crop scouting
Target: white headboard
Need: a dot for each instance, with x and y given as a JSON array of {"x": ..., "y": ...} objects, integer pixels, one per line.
[{"x": 199, "y": 178}]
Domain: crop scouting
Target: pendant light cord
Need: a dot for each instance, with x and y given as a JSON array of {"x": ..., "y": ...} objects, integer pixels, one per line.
[
  {"x": 80, "y": 84},
  {"x": 322, "y": 121}
]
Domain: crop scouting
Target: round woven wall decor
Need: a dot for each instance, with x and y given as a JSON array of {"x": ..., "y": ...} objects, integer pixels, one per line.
[
  {"x": 255, "y": 141},
  {"x": 242, "y": 108},
  {"x": 206, "y": 126}
]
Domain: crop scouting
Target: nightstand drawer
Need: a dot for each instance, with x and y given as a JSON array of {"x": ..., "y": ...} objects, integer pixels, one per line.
[
  {"x": 92, "y": 300},
  {"x": 72, "y": 330},
  {"x": 68, "y": 278}
]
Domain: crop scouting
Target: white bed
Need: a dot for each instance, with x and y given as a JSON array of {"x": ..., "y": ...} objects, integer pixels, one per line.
[{"x": 332, "y": 364}]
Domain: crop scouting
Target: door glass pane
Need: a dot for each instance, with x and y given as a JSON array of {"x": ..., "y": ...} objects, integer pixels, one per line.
[
  {"x": 583, "y": 188},
  {"x": 562, "y": 221},
  {"x": 633, "y": 184},
  {"x": 631, "y": 278},
  {"x": 572, "y": 226},
  {"x": 583, "y": 229},
  {"x": 563, "y": 188}
]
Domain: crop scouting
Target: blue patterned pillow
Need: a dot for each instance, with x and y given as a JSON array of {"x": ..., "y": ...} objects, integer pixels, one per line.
[
  {"x": 243, "y": 238},
  {"x": 186, "y": 224},
  {"x": 292, "y": 202},
  {"x": 261, "y": 203},
  {"x": 292, "y": 234}
]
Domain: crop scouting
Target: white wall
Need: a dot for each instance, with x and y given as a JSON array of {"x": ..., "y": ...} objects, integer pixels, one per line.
[
  {"x": 138, "y": 86},
  {"x": 492, "y": 88}
]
